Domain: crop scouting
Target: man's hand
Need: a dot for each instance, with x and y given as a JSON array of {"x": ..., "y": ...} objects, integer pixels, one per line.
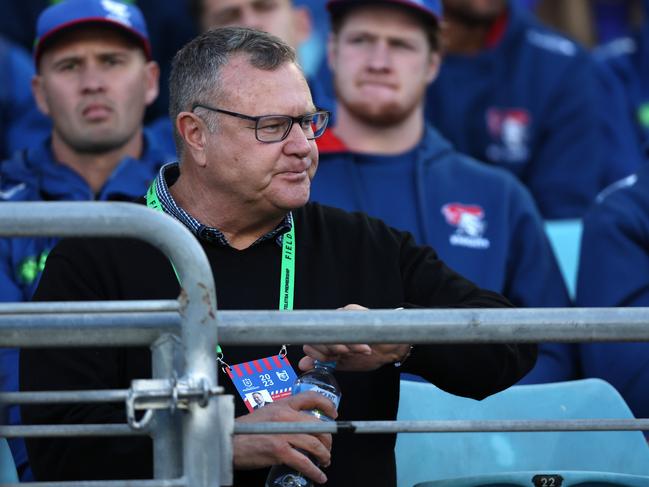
[
  {"x": 256, "y": 451},
  {"x": 356, "y": 357}
]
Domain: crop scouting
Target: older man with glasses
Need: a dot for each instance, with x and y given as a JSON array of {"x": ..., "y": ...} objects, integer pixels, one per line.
[{"x": 245, "y": 127}]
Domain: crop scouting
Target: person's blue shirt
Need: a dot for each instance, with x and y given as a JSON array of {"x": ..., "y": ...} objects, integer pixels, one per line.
[
  {"x": 534, "y": 104},
  {"x": 21, "y": 124},
  {"x": 614, "y": 271},
  {"x": 481, "y": 221},
  {"x": 34, "y": 175}
]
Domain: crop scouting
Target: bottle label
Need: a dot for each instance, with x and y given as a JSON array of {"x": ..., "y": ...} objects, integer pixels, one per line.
[
  {"x": 262, "y": 381},
  {"x": 303, "y": 387}
]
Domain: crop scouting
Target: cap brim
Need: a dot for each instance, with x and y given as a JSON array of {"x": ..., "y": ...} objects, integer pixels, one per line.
[
  {"x": 335, "y": 6},
  {"x": 42, "y": 41}
]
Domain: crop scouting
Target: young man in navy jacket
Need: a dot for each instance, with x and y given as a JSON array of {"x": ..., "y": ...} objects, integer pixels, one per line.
[
  {"x": 94, "y": 79},
  {"x": 383, "y": 159}
]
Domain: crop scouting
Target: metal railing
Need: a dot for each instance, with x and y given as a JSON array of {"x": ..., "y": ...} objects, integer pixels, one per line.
[{"x": 185, "y": 450}]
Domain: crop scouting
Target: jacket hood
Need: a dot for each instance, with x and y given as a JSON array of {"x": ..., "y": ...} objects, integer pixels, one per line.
[{"x": 432, "y": 145}]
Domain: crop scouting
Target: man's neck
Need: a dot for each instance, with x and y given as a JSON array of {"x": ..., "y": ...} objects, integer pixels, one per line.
[
  {"x": 359, "y": 136},
  {"x": 464, "y": 38},
  {"x": 95, "y": 169},
  {"x": 240, "y": 226}
]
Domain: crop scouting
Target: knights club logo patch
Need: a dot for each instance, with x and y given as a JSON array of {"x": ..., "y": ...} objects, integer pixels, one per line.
[
  {"x": 470, "y": 225},
  {"x": 509, "y": 129}
]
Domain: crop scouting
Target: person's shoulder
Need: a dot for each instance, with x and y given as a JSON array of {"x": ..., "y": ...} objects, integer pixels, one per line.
[
  {"x": 443, "y": 160},
  {"x": 544, "y": 41},
  {"x": 102, "y": 248},
  {"x": 333, "y": 225},
  {"x": 633, "y": 187},
  {"x": 625, "y": 202},
  {"x": 18, "y": 182}
]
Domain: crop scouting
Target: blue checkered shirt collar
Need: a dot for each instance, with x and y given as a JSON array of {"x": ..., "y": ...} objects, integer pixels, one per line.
[{"x": 168, "y": 175}]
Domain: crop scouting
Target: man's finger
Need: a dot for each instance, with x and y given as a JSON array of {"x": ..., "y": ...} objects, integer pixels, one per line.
[
  {"x": 300, "y": 462},
  {"x": 306, "y": 401}
]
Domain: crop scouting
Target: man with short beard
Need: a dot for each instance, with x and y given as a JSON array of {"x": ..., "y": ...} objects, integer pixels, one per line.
[
  {"x": 383, "y": 159},
  {"x": 94, "y": 79},
  {"x": 517, "y": 95}
]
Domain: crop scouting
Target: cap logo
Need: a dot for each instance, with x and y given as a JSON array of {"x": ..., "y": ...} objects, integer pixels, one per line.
[{"x": 117, "y": 11}]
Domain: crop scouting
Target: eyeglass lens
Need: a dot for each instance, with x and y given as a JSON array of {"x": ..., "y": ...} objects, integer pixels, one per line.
[{"x": 274, "y": 128}]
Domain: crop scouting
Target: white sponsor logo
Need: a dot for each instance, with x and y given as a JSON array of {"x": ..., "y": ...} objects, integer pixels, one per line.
[
  {"x": 11, "y": 192},
  {"x": 117, "y": 11}
]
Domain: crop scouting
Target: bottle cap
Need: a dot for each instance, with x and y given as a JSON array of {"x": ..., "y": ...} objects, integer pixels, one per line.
[{"x": 329, "y": 365}]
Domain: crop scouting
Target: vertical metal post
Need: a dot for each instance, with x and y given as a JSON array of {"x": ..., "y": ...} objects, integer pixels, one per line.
[
  {"x": 203, "y": 449},
  {"x": 166, "y": 425}
]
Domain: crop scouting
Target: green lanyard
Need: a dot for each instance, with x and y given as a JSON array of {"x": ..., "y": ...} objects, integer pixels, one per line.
[{"x": 287, "y": 277}]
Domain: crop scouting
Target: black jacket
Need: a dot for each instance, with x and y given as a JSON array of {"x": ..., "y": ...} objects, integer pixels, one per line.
[{"x": 341, "y": 258}]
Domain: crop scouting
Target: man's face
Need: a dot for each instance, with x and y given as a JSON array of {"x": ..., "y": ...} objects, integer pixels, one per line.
[
  {"x": 95, "y": 85},
  {"x": 267, "y": 178},
  {"x": 474, "y": 11},
  {"x": 257, "y": 397},
  {"x": 382, "y": 64},
  {"x": 277, "y": 17}
]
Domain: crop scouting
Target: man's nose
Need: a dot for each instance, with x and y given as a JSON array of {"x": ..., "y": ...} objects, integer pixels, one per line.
[
  {"x": 297, "y": 143},
  {"x": 92, "y": 80},
  {"x": 379, "y": 57}
]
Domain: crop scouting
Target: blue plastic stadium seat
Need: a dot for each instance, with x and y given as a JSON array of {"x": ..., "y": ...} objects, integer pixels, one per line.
[
  {"x": 565, "y": 238},
  {"x": 8, "y": 473},
  {"x": 584, "y": 459}
]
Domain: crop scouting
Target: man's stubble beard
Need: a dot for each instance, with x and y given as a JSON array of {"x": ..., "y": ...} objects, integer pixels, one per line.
[
  {"x": 384, "y": 116},
  {"x": 94, "y": 144}
]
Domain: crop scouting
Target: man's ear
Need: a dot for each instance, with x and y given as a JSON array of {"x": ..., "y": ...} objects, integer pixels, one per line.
[
  {"x": 39, "y": 95},
  {"x": 331, "y": 51},
  {"x": 302, "y": 24},
  {"x": 152, "y": 80},
  {"x": 433, "y": 66},
  {"x": 193, "y": 131}
]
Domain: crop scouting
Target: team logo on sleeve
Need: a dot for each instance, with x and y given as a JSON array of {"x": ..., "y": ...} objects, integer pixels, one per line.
[
  {"x": 509, "y": 130},
  {"x": 470, "y": 225}
]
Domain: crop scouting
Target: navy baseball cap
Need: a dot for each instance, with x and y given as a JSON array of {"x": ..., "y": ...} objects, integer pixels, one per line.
[
  {"x": 72, "y": 13},
  {"x": 431, "y": 9}
]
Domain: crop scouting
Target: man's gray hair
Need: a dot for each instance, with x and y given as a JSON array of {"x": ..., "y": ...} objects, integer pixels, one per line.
[{"x": 195, "y": 69}]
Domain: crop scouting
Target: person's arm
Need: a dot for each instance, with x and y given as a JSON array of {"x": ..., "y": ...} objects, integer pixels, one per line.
[{"x": 470, "y": 370}]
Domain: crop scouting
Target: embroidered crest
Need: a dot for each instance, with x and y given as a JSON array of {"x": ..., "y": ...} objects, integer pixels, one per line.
[
  {"x": 509, "y": 130},
  {"x": 470, "y": 225}
]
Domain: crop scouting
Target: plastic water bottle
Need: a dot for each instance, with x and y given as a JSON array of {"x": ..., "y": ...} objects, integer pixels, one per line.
[{"x": 320, "y": 379}]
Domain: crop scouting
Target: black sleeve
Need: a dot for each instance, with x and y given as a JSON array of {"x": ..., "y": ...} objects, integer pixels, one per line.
[
  {"x": 467, "y": 370},
  {"x": 68, "y": 276}
]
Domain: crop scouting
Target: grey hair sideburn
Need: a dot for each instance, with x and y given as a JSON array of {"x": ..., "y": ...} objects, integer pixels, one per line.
[{"x": 195, "y": 69}]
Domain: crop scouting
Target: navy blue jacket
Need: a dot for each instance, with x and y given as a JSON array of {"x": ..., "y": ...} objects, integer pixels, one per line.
[
  {"x": 614, "y": 271},
  {"x": 628, "y": 58},
  {"x": 34, "y": 175},
  {"x": 505, "y": 249},
  {"x": 536, "y": 105},
  {"x": 21, "y": 124}
]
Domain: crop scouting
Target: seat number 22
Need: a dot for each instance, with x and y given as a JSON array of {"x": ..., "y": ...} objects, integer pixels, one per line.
[{"x": 547, "y": 480}]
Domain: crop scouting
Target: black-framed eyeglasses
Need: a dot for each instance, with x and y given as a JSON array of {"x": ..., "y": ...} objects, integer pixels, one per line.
[{"x": 275, "y": 128}]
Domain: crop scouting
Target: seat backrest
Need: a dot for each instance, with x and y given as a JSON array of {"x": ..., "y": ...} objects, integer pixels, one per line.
[
  {"x": 430, "y": 456},
  {"x": 565, "y": 238},
  {"x": 8, "y": 473}
]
